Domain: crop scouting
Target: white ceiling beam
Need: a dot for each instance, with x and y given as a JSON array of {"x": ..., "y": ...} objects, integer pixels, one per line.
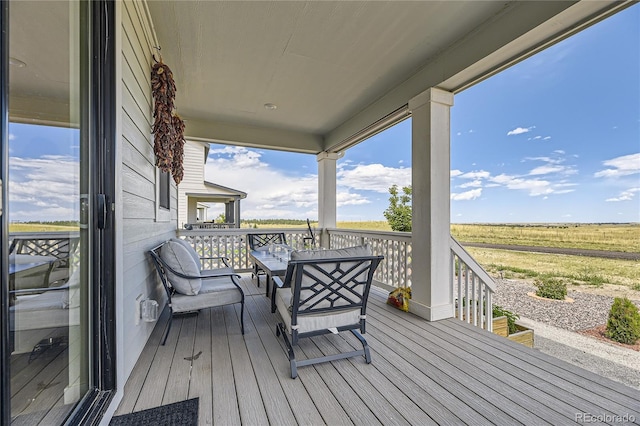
[{"x": 252, "y": 136}]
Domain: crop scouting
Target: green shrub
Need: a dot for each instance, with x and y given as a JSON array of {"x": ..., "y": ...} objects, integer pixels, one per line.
[
  {"x": 624, "y": 321},
  {"x": 551, "y": 288},
  {"x": 499, "y": 311}
]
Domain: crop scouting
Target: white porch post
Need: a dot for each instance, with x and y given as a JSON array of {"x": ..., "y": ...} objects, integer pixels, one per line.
[
  {"x": 326, "y": 193},
  {"x": 432, "y": 297}
]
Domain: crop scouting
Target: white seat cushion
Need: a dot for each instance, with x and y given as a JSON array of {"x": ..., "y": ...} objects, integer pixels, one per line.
[
  {"x": 320, "y": 321},
  {"x": 213, "y": 292},
  {"x": 178, "y": 258},
  {"x": 190, "y": 249}
]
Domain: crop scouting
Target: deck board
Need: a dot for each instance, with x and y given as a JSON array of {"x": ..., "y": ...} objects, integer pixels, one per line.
[
  {"x": 302, "y": 406},
  {"x": 469, "y": 371},
  {"x": 225, "y": 404},
  {"x": 444, "y": 372}
]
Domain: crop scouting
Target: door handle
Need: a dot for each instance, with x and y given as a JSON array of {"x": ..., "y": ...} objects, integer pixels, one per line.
[{"x": 101, "y": 211}]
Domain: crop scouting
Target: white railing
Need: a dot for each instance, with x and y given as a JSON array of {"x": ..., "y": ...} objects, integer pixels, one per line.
[
  {"x": 395, "y": 269},
  {"x": 473, "y": 288},
  {"x": 471, "y": 285},
  {"x": 232, "y": 244}
]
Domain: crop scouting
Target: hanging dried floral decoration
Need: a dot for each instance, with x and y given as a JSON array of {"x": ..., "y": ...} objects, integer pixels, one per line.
[
  {"x": 178, "y": 149},
  {"x": 168, "y": 128}
]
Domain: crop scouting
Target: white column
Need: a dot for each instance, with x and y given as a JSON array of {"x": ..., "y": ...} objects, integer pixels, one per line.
[
  {"x": 432, "y": 295},
  {"x": 237, "y": 214},
  {"x": 192, "y": 211},
  {"x": 327, "y": 182}
]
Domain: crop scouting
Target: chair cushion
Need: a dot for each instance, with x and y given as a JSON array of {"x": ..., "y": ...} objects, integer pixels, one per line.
[
  {"x": 190, "y": 249},
  {"x": 320, "y": 321},
  {"x": 178, "y": 258},
  {"x": 214, "y": 292}
]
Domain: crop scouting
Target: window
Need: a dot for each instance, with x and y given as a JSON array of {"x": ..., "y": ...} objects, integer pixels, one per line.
[{"x": 164, "y": 196}]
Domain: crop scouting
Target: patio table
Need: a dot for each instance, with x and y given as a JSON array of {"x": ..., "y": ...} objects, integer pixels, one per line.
[{"x": 270, "y": 263}]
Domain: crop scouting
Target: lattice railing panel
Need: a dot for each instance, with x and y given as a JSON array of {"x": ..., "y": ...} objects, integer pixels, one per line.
[{"x": 395, "y": 268}]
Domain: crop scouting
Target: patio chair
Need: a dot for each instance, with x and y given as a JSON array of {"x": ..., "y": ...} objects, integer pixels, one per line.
[
  {"x": 260, "y": 242},
  {"x": 324, "y": 292},
  {"x": 190, "y": 289}
]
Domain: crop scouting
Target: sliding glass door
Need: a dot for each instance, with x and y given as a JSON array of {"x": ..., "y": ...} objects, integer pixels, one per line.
[{"x": 54, "y": 213}]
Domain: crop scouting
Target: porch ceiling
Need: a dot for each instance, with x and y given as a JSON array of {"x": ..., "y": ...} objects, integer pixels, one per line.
[
  {"x": 331, "y": 67},
  {"x": 334, "y": 67}
]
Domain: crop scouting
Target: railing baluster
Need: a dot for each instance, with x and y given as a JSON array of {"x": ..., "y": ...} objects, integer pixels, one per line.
[{"x": 394, "y": 271}]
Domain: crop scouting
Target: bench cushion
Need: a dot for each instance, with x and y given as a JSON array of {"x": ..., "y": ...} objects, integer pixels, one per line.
[
  {"x": 189, "y": 248},
  {"x": 213, "y": 292},
  {"x": 178, "y": 258}
]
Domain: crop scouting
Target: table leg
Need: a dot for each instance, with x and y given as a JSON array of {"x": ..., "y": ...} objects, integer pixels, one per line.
[{"x": 268, "y": 283}]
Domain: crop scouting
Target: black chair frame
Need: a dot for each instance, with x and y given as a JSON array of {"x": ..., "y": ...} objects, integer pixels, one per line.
[
  {"x": 328, "y": 287},
  {"x": 162, "y": 268}
]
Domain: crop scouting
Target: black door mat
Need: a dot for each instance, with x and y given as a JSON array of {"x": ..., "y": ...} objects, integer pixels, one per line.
[{"x": 183, "y": 413}]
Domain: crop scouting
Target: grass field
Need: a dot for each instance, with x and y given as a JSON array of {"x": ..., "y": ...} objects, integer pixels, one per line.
[
  {"x": 39, "y": 227},
  {"x": 576, "y": 270},
  {"x": 610, "y": 237}
]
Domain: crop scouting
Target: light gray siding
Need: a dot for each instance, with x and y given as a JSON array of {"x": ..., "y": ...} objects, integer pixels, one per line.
[{"x": 140, "y": 229}]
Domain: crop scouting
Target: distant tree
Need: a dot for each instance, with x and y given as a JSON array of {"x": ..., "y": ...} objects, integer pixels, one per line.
[
  {"x": 221, "y": 218},
  {"x": 398, "y": 214}
]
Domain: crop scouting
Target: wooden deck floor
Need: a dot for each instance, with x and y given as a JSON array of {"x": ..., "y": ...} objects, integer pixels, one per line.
[{"x": 422, "y": 373}]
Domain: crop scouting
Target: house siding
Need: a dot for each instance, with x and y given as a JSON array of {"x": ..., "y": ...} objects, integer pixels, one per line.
[
  {"x": 140, "y": 229},
  {"x": 193, "y": 180}
]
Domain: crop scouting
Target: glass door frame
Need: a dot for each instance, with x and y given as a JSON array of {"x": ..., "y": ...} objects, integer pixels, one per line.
[{"x": 99, "y": 119}]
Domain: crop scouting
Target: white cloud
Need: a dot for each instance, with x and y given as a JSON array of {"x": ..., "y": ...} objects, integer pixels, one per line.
[
  {"x": 237, "y": 156},
  {"x": 473, "y": 184},
  {"x": 373, "y": 177},
  {"x": 545, "y": 159},
  {"x": 535, "y": 187},
  {"x": 621, "y": 166},
  {"x": 627, "y": 195},
  {"x": 468, "y": 195},
  {"x": 454, "y": 173},
  {"x": 346, "y": 198},
  {"x": 476, "y": 174},
  {"x": 44, "y": 188},
  {"x": 271, "y": 193},
  {"x": 12, "y": 136},
  {"x": 546, "y": 138},
  {"x": 544, "y": 170},
  {"x": 520, "y": 130},
  {"x": 553, "y": 165}
]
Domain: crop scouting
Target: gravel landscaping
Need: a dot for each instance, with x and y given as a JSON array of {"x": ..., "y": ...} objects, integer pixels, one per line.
[
  {"x": 586, "y": 311},
  {"x": 566, "y": 329}
]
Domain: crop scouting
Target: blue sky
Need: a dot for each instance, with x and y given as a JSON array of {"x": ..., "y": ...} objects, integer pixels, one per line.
[{"x": 555, "y": 138}]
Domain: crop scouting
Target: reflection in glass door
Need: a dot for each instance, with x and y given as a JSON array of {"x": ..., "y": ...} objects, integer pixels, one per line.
[{"x": 48, "y": 246}]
